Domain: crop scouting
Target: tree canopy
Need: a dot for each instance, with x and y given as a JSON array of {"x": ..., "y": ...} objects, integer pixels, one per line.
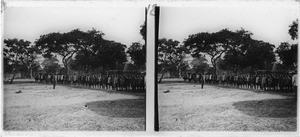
[
  {"x": 212, "y": 44},
  {"x": 106, "y": 54},
  {"x": 143, "y": 31},
  {"x": 137, "y": 51},
  {"x": 67, "y": 44},
  {"x": 255, "y": 54},
  {"x": 89, "y": 49},
  {"x": 235, "y": 50},
  {"x": 170, "y": 56},
  {"x": 18, "y": 56},
  {"x": 288, "y": 53},
  {"x": 293, "y": 31},
  {"x": 51, "y": 65},
  {"x": 200, "y": 65}
]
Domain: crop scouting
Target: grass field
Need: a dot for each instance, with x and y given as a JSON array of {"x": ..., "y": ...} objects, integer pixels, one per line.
[
  {"x": 187, "y": 107},
  {"x": 40, "y": 108}
]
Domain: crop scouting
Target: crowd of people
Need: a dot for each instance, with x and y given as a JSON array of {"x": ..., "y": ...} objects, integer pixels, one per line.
[
  {"x": 272, "y": 82},
  {"x": 101, "y": 81}
]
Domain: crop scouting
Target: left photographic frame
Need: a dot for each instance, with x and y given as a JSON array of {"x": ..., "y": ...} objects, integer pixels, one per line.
[{"x": 74, "y": 68}]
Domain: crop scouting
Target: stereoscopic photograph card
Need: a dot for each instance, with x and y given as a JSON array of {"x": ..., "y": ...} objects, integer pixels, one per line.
[{"x": 163, "y": 68}]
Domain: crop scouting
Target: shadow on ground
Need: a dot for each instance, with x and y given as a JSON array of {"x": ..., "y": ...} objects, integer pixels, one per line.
[
  {"x": 138, "y": 93},
  {"x": 19, "y": 81},
  {"x": 274, "y": 108},
  {"x": 287, "y": 93},
  {"x": 125, "y": 108}
]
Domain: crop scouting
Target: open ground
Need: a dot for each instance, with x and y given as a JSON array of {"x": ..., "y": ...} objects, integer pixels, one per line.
[
  {"x": 39, "y": 107},
  {"x": 188, "y": 107}
]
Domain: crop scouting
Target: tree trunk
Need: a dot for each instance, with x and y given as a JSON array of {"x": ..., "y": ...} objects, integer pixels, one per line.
[
  {"x": 214, "y": 65},
  {"x": 12, "y": 79},
  {"x": 162, "y": 75},
  {"x": 179, "y": 72},
  {"x": 66, "y": 65},
  {"x": 30, "y": 70},
  {"x": 31, "y": 75}
]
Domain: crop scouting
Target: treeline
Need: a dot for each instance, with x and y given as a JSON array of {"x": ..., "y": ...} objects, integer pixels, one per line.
[
  {"x": 231, "y": 51},
  {"x": 80, "y": 51}
]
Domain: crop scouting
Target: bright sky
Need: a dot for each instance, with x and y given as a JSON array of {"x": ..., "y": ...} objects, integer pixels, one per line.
[
  {"x": 121, "y": 24},
  {"x": 267, "y": 21}
]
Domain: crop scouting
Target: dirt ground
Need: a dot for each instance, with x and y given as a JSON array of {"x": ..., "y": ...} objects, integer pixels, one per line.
[
  {"x": 39, "y": 107},
  {"x": 187, "y": 107}
]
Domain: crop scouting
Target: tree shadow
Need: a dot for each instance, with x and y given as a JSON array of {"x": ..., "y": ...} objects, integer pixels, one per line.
[
  {"x": 125, "y": 108},
  {"x": 19, "y": 81},
  {"x": 286, "y": 93},
  {"x": 138, "y": 92},
  {"x": 274, "y": 108}
]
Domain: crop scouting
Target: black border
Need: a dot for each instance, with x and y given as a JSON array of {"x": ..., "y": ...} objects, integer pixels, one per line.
[
  {"x": 156, "y": 32},
  {"x": 146, "y": 68}
]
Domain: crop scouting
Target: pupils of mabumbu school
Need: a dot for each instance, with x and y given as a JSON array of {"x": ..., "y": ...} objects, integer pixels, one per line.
[
  {"x": 268, "y": 81},
  {"x": 97, "y": 81}
]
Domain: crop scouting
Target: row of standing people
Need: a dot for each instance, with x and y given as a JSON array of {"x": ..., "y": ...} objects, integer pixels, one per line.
[
  {"x": 258, "y": 82},
  {"x": 113, "y": 82}
]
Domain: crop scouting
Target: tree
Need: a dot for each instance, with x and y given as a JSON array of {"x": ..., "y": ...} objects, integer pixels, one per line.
[
  {"x": 288, "y": 53},
  {"x": 170, "y": 56},
  {"x": 106, "y": 54},
  {"x": 199, "y": 65},
  {"x": 143, "y": 31},
  {"x": 111, "y": 54},
  {"x": 50, "y": 65},
  {"x": 260, "y": 54},
  {"x": 18, "y": 56},
  {"x": 137, "y": 53},
  {"x": 8, "y": 67},
  {"x": 212, "y": 44},
  {"x": 67, "y": 44},
  {"x": 293, "y": 31},
  {"x": 254, "y": 54},
  {"x": 234, "y": 50}
]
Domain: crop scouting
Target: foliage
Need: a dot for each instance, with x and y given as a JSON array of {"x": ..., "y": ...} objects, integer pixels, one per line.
[
  {"x": 137, "y": 53},
  {"x": 18, "y": 56},
  {"x": 235, "y": 50},
  {"x": 288, "y": 54},
  {"x": 51, "y": 65},
  {"x": 199, "y": 65},
  {"x": 212, "y": 44},
  {"x": 171, "y": 56},
  {"x": 105, "y": 54},
  {"x": 143, "y": 31},
  {"x": 67, "y": 44},
  {"x": 293, "y": 31},
  {"x": 254, "y": 54},
  {"x": 89, "y": 49}
]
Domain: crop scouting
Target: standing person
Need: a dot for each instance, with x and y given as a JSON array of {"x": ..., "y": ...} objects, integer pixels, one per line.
[
  {"x": 202, "y": 78},
  {"x": 263, "y": 82},
  {"x": 54, "y": 80}
]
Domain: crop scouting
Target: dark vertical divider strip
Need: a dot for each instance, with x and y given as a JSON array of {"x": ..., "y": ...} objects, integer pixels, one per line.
[
  {"x": 145, "y": 64},
  {"x": 156, "y": 118}
]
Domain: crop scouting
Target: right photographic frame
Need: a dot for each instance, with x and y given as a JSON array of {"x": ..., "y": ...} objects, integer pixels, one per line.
[{"x": 227, "y": 67}]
